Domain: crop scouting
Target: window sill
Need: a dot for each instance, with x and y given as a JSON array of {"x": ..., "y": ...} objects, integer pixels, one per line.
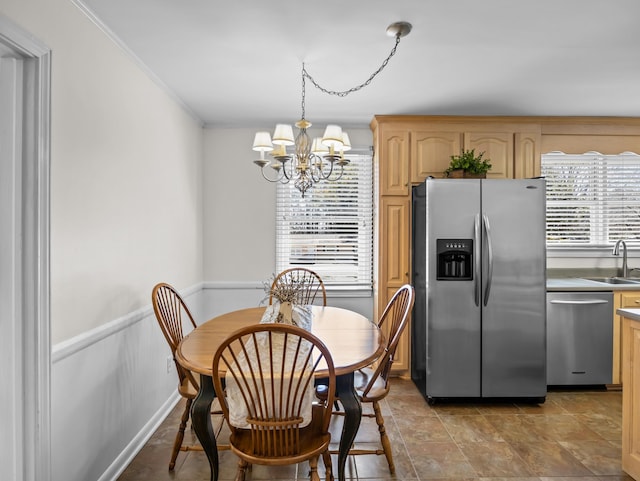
[{"x": 347, "y": 291}]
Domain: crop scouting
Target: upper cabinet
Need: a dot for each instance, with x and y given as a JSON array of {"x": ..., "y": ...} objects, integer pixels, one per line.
[
  {"x": 414, "y": 148},
  {"x": 526, "y": 154},
  {"x": 431, "y": 152},
  {"x": 498, "y": 147},
  {"x": 394, "y": 149}
]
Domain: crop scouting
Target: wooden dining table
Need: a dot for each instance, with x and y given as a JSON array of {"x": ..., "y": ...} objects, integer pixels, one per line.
[{"x": 353, "y": 341}]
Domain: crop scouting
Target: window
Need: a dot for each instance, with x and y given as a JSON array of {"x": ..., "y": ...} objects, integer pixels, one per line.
[
  {"x": 330, "y": 230},
  {"x": 592, "y": 199}
]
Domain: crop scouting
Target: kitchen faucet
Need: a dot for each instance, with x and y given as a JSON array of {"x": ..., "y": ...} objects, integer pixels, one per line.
[{"x": 616, "y": 252}]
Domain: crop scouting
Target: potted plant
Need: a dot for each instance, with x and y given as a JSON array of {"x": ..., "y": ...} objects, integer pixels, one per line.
[{"x": 468, "y": 165}]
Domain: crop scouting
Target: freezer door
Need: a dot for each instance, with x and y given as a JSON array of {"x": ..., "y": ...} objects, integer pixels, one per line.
[
  {"x": 452, "y": 316},
  {"x": 418, "y": 324},
  {"x": 514, "y": 288}
]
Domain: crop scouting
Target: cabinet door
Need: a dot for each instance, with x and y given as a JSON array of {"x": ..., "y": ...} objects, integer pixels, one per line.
[
  {"x": 394, "y": 243},
  {"x": 621, "y": 299},
  {"x": 394, "y": 262},
  {"x": 498, "y": 147},
  {"x": 394, "y": 163},
  {"x": 527, "y": 154},
  {"x": 431, "y": 153},
  {"x": 630, "y": 396}
]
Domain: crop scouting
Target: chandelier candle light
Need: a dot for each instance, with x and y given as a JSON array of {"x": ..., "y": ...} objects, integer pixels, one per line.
[{"x": 322, "y": 159}]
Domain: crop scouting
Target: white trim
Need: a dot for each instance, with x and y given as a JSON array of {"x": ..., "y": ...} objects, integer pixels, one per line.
[
  {"x": 20, "y": 40},
  {"x": 67, "y": 348},
  {"x": 91, "y": 15},
  {"x": 133, "y": 448},
  {"x": 233, "y": 285},
  {"x": 35, "y": 353},
  {"x": 256, "y": 285}
]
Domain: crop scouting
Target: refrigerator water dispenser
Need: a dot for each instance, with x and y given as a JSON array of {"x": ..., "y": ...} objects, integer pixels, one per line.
[{"x": 455, "y": 259}]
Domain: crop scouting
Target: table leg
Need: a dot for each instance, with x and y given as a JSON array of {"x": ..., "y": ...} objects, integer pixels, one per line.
[
  {"x": 352, "y": 415},
  {"x": 201, "y": 420}
]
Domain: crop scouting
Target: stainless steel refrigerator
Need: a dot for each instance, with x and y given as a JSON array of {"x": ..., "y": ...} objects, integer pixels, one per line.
[{"x": 479, "y": 270}]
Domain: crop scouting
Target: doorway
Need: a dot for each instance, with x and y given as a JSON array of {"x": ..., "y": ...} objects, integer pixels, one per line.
[{"x": 25, "y": 347}]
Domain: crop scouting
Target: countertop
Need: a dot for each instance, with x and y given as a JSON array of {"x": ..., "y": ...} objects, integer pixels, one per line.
[
  {"x": 629, "y": 313},
  {"x": 578, "y": 284}
]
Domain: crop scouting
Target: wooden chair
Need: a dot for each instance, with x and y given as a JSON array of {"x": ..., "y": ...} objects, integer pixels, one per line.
[
  {"x": 172, "y": 314},
  {"x": 271, "y": 367},
  {"x": 310, "y": 281},
  {"x": 373, "y": 383}
]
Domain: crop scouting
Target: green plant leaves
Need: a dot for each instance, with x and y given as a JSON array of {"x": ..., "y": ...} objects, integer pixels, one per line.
[{"x": 469, "y": 162}]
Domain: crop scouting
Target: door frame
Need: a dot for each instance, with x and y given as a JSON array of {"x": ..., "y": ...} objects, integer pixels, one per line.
[{"x": 32, "y": 356}]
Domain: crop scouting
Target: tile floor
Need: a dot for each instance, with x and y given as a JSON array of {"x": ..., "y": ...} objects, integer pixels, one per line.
[{"x": 573, "y": 436}]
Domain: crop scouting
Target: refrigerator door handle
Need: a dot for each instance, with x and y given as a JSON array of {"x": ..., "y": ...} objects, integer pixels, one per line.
[
  {"x": 477, "y": 259},
  {"x": 487, "y": 231}
]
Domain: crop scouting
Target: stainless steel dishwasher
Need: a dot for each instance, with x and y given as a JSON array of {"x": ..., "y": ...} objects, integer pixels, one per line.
[{"x": 579, "y": 338}]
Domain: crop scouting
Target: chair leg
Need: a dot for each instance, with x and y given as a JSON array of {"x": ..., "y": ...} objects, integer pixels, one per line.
[
  {"x": 313, "y": 468},
  {"x": 242, "y": 469},
  {"x": 177, "y": 444},
  {"x": 326, "y": 459},
  {"x": 384, "y": 439}
]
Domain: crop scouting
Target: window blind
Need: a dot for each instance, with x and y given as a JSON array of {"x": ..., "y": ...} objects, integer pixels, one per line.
[
  {"x": 330, "y": 230},
  {"x": 593, "y": 200}
]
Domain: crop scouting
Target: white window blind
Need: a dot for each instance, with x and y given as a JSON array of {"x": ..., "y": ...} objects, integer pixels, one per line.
[
  {"x": 330, "y": 230},
  {"x": 593, "y": 200}
]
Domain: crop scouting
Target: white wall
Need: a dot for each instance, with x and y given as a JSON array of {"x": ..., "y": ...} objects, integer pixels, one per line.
[
  {"x": 126, "y": 192},
  {"x": 126, "y": 212},
  {"x": 239, "y": 205}
]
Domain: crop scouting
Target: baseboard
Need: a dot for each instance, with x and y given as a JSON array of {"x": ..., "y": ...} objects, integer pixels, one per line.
[{"x": 137, "y": 443}]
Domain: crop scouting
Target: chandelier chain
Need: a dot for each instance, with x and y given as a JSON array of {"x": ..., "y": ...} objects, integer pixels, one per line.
[
  {"x": 320, "y": 159},
  {"x": 303, "y": 91},
  {"x": 344, "y": 93}
]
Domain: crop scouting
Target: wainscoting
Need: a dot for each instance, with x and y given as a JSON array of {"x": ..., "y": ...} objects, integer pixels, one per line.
[{"x": 111, "y": 387}]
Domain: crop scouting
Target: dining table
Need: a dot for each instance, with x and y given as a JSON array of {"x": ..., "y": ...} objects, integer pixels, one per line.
[{"x": 353, "y": 340}]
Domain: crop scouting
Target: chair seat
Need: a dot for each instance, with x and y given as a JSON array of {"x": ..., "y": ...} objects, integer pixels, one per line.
[
  {"x": 312, "y": 442},
  {"x": 361, "y": 378},
  {"x": 379, "y": 389},
  {"x": 187, "y": 390}
]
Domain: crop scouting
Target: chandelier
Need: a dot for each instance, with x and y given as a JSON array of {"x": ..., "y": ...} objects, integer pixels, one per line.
[{"x": 323, "y": 158}]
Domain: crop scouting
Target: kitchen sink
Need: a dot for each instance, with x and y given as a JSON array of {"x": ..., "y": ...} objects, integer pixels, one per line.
[{"x": 613, "y": 280}]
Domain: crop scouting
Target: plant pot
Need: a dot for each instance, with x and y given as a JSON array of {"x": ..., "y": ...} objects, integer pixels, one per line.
[
  {"x": 456, "y": 174},
  {"x": 462, "y": 174},
  {"x": 467, "y": 175}
]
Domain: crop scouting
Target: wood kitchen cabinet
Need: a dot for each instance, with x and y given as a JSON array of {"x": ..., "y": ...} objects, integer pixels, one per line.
[
  {"x": 394, "y": 171},
  {"x": 395, "y": 239},
  {"x": 527, "y": 154},
  {"x": 498, "y": 147},
  {"x": 431, "y": 153},
  {"x": 621, "y": 299},
  {"x": 393, "y": 262},
  {"x": 630, "y": 396},
  {"x": 512, "y": 154},
  {"x": 409, "y": 149}
]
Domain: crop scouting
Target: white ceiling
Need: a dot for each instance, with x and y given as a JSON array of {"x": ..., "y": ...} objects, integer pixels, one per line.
[{"x": 236, "y": 63}]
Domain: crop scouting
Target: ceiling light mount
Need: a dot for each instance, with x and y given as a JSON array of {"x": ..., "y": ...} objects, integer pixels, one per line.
[
  {"x": 320, "y": 159},
  {"x": 399, "y": 29}
]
